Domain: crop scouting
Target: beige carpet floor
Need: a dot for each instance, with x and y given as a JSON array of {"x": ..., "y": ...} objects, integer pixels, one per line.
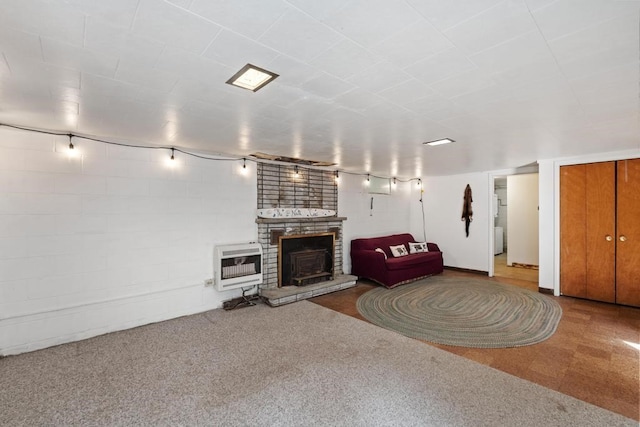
[{"x": 299, "y": 364}]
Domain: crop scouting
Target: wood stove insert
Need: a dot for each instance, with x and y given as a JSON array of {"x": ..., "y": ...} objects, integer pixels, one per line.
[{"x": 305, "y": 259}]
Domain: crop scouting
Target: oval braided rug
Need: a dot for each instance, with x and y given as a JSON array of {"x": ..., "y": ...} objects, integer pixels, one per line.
[{"x": 463, "y": 312}]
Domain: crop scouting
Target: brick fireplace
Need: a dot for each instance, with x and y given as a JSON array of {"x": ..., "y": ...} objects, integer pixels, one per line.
[{"x": 284, "y": 186}]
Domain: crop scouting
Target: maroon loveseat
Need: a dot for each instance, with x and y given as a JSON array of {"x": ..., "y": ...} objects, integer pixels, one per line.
[{"x": 392, "y": 271}]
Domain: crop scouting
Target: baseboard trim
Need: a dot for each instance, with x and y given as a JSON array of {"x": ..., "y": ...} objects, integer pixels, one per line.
[
  {"x": 545, "y": 291},
  {"x": 467, "y": 270}
]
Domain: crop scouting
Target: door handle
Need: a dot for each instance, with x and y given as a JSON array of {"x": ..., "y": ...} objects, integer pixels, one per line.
[
  {"x": 608, "y": 238},
  {"x": 623, "y": 238}
]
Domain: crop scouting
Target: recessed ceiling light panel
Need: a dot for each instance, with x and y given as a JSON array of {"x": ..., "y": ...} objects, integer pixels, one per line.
[
  {"x": 251, "y": 77},
  {"x": 439, "y": 141}
]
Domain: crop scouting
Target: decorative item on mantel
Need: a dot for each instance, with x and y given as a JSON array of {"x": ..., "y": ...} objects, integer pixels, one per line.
[{"x": 294, "y": 213}]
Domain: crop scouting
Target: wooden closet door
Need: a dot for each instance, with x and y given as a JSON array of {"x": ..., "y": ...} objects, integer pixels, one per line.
[
  {"x": 573, "y": 235},
  {"x": 601, "y": 231},
  {"x": 628, "y": 236}
]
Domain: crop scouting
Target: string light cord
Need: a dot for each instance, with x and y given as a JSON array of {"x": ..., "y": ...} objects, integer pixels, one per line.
[
  {"x": 125, "y": 144},
  {"x": 172, "y": 149},
  {"x": 232, "y": 159}
]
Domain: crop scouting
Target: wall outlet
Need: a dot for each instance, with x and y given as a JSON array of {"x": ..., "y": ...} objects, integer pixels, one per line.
[{"x": 208, "y": 282}]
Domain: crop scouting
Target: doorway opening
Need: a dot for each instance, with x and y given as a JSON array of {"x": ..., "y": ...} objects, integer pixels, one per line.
[{"x": 515, "y": 227}]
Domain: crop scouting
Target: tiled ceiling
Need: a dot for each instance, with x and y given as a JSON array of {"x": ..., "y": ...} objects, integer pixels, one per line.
[{"x": 362, "y": 83}]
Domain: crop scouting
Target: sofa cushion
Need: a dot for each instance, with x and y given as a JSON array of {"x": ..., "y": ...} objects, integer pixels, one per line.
[
  {"x": 415, "y": 248},
  {"x": 382, "y": 252},
  {"x": 398, "y": 250},
  {"x": 410, "y": 260}
]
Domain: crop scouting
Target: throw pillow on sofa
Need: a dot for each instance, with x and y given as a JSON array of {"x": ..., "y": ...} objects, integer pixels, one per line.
[
  {"x": 382, "y": 252},
  {"x": 417, "y": 247},
  {"x": 398, "y": 251}
]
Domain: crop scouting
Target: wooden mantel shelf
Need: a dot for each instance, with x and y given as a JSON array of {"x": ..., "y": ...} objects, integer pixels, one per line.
[{"x": 302, "y": 219}]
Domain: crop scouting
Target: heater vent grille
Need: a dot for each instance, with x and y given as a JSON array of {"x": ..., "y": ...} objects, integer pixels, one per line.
[{"x": 237, "y": 265}]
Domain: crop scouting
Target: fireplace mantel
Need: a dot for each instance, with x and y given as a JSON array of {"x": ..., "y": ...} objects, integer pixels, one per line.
[{"x": 303, "y": 220}]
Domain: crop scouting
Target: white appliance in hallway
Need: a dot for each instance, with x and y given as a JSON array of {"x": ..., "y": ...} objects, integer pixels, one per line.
[{"x": 498, "y": 242}]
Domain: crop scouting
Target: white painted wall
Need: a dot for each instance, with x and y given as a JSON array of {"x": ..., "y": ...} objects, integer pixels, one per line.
[
  {"x": 391, "y": 213},
  {"x": 546, "y": 231},
  {"x": 522, "y": 193},
  {"x": 443, "y": 198},
  {"x": 110, "y": 239}
]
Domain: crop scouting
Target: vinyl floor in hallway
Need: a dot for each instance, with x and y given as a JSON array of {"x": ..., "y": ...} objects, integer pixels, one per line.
[{"x": 593, "y": 356}]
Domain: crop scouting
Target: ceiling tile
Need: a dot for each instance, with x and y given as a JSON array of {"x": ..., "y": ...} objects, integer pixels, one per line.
[
  {"x": 361, "y": 20},
  {"x": 136, "y": 74},
  {"x": 101, "y": 36},
  {"x": 188, "y": 65},
  {"x": 284, "y": 96},
  {"x": 117, "y": 12},
  {"x": 312, "y": 37},
  {"x": 440, "y": 66},
  {"x": 406, "y": 92},
  {"x": 502, "y": 22},
  {"x": 466, "y": 82},
  {"x": 248, "y": 17},
  {"x": 567, "y": 16},
  {"x": 534, "y": 5},
  {"x": 447, "y": 112},
  {"x": 344, "y": 59},
  {"x": 327, "y": 86},
  {"x": 29, "y": 74},
  {"x": 18, "y": 43},
  {"x": 98, "y": 87},
  {"x": 598, "y": 62},
  {"x": 291, "y": 71},
  {"x": 174, "y": 26},
  {"x": 235, "y": 51},
  {"x": 51, "y": 19},
  {"x": 181, "y": 3},
  {"x": 85, "y": 60},
  {"x": 617, "y": 33},
  {"x": 615, "y": 82},
  {"x": 379, "y": 77},
  {"x": 413, "y": 43},
  {"x": 318, "y": 9},
  {"x": 543, "y": 68},
  {"x": 517, "y": 52},
  {"x": 431, "y": 103},
  {"x": 446, "y": 14},
  {"x": 358, "y": 99},
  {"x": 4, "y": 67},
  {"x": 196, "y": 89}
]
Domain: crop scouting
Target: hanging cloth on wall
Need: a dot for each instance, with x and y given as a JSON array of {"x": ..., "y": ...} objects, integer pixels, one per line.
[{"x": 467, "y": 212}]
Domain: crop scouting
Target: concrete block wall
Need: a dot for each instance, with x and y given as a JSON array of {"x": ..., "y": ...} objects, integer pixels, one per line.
[{"x": 111, "y": 237}]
